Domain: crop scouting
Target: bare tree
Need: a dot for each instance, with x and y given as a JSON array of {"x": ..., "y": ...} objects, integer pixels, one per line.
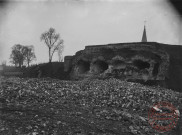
[
  {"x": 22, "y": 54},
  {"x": 29, "y": 54},
  {"x": 60, "y": 52},
  {"x": 52, "y": 40},
  {"x": 17, "y": 55}
]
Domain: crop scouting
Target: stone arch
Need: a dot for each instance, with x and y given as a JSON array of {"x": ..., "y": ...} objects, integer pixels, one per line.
[
  {"x": 99, "y": 66},
  {"x": 83, "y": 66}
]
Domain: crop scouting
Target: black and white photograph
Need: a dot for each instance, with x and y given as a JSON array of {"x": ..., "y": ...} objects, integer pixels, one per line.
[{"x": 90, "y": 67}]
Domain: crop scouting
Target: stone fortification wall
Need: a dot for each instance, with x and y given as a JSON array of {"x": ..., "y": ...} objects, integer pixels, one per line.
[{"x": 148, "y": 62}]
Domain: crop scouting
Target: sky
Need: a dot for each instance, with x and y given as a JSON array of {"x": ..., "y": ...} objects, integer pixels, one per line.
[{"x": 85, "y": 22}]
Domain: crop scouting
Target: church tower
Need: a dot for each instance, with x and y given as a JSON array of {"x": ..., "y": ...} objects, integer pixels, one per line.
[{"x": 144, "y": 37}]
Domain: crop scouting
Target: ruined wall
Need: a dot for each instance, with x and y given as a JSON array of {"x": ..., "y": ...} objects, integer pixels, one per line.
[
  {"x": 67, "y": 63},
  {"x": 149, "y": 62}
]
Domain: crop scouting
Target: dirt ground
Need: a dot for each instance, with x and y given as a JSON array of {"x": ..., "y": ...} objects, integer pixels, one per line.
[{"x": 91, "y": 107}]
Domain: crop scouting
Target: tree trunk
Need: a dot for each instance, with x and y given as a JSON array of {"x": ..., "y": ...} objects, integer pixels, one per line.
[{"x": 50, "y": 55}]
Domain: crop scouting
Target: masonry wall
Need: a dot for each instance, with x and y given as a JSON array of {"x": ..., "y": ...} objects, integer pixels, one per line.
[
  {"x": 150, "y": 63},
  {"x": 67, "y": 63}
]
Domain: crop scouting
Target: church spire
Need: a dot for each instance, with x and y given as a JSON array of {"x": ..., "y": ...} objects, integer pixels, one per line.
[{"x": 144, "y": 37}]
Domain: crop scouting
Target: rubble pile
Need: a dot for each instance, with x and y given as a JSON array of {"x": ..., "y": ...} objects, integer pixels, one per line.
[{"x": 54, "y": 107}]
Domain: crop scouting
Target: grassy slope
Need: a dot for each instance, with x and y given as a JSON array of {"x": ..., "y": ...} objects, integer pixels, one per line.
[{"x": 45, "y": 106}]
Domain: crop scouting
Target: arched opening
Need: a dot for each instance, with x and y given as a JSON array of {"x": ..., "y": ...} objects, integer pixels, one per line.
[
  {"x": 99, "y": 66},
  {"x": 118, "y": 64},
  {"x": 141, "y": 64},
  {"x": 83, "y": 66}
]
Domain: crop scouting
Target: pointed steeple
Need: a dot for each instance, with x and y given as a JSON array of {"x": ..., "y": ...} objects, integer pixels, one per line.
[{"x": 144, "y": 37}]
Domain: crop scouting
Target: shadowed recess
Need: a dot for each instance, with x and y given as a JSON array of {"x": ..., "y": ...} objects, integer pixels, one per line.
[
  {"x": 100, "y": 66},
  {"x": 83, "y": 66},
  {"x": 141, "y": 64},
  {"x": 156, "y": 69}
]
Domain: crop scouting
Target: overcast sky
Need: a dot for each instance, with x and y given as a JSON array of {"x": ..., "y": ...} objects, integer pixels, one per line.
[{"x": 85, "y": 22}]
